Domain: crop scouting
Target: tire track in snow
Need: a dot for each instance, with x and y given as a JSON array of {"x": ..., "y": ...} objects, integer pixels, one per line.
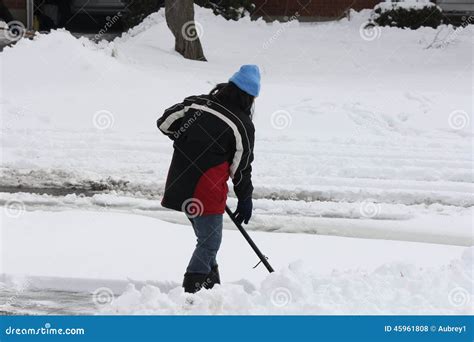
[{"x": 322, "y": 189}]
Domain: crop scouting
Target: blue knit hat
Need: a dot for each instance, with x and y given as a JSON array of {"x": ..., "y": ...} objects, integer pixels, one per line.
[{"x": 247, "y": 79}]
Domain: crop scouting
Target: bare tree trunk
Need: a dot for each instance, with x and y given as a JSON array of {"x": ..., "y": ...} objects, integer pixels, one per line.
[{"x": 180, "y": 20}]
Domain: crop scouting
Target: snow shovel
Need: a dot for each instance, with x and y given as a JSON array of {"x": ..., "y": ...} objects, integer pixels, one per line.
[{"x": 263, "y": 258}]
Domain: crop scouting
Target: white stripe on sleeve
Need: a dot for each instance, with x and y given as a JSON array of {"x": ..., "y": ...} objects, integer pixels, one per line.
[
  {"x": 170, "y": 119},
  {"x": 238, "y": 139}
]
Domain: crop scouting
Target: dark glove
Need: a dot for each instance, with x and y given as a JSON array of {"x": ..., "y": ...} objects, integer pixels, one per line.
[{"x": 244, "y": 211}]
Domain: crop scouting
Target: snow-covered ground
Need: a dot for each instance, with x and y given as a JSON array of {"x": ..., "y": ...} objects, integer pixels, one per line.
[
  {"x": 347, "y": 118},
  {"x": 315, "y": 274},
  {"x": 453, "y": 225},
  {"x": 360, "y": 133}
]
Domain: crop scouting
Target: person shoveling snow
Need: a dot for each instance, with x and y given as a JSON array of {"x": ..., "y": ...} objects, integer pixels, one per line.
[{"x": 213, "y": 139}]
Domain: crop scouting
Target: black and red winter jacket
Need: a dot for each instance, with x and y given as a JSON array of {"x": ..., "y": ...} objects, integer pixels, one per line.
[{"x": 212, "y": 141}]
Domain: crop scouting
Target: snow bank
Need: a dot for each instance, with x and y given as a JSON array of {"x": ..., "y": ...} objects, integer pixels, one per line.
[
  {"x": 139, "y": 74},
  {"x": 406, "y": 4},
  {"x": 53, "y": 59},
  {"x": 390, "y": 289},
  {"x": 334, "y": 274}
]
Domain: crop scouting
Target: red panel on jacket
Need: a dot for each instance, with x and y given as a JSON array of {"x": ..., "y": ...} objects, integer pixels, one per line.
[{"x": 212, "y": 189}]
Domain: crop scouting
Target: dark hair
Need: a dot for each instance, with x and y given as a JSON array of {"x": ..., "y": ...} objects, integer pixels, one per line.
[{"x": 229, "y": 93}]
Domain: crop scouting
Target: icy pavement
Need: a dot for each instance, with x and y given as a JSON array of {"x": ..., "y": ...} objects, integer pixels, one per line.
[{"x": 45, "y": 302}]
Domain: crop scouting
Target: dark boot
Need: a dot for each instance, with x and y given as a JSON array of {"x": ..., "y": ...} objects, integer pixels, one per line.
[
  {"x": 214, "y": 276},
  {"x": 193, "y": 282}
]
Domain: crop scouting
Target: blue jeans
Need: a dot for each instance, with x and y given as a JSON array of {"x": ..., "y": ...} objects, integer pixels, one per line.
[{"x": 208, "y": 230}]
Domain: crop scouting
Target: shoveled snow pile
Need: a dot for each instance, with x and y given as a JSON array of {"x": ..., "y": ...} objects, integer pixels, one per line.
[
  {"x": 390, "y": 289},
  {"x": 86, "y": 251}
]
